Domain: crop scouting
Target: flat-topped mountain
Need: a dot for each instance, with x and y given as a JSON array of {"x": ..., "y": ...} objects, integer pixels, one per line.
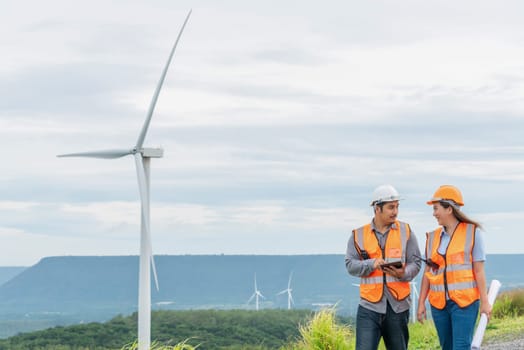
[{"x": 108, "y": 284}]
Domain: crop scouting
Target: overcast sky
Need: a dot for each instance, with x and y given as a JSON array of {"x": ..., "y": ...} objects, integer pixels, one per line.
[{"x": 278, "y": 119}]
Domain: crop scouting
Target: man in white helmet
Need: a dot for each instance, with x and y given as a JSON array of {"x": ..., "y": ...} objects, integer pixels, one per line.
[{"x": 383, "y": 254}]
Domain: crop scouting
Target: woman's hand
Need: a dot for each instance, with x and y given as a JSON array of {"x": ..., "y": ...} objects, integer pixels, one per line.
[
  {"x": 485, "y": 308},
  {"x": 421, "y": 313}
]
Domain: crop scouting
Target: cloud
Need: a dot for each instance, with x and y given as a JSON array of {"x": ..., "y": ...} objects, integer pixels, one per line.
[{"x": 276, "y": 125}]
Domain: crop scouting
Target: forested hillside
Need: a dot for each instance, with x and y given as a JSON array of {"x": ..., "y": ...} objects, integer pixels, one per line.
[{"x": 212, "y": 329}]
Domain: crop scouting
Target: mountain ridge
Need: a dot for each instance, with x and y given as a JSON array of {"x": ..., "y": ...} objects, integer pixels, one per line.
[{"x": 69, "y": 284}]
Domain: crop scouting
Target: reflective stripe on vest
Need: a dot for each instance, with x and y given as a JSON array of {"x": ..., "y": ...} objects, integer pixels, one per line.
[
  {"x": 455, "y": 273},
  {"x": 454, "y": 286},
  {"x": 372, "y": 285}
]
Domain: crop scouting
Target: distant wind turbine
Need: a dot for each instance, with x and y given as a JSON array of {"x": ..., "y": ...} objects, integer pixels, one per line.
[
  {"x": 142, "y": 157},
  {"x": 256, "y": 295},
  {"x": 288, "y": 291}
]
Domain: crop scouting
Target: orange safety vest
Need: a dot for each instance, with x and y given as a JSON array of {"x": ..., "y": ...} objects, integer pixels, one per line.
[
  {"x": 372, "y": 285},
  {"x": 455, "y": 274}
]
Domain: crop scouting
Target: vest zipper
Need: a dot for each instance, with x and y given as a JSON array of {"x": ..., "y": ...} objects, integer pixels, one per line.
[
  {"x": 384, "y": 283},
  {"x": 445, "y": 274}
]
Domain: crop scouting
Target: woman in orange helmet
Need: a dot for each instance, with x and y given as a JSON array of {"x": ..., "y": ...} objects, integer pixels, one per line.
[{"x": 454, "y": 280}]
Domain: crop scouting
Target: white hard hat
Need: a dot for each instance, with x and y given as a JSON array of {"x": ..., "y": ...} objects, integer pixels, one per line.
[{"x": 384, "y": 193}]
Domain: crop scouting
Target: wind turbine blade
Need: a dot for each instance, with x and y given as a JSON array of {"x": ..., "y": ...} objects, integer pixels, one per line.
[
  {"x": 289, "y": 281},
  {"x": 143, "y": 132},
  {"x": 144, "y": 198},
  {"x": 260, "y": 294},
  {"x": 153, "y": 266},
  {"x": 250, "y": 299},
  {"x": 282, "y": 292},
  {"x": 106, "y": 154},
  {"x": 415, "y": 291},
  {"x": 291, "y": 298}
]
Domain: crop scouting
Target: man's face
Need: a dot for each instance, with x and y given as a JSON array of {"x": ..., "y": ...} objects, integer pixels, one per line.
[{"x": 388, "y": 213}]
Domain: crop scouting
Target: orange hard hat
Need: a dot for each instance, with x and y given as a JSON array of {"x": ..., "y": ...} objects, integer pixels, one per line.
[{"x": 447, "y": 193}]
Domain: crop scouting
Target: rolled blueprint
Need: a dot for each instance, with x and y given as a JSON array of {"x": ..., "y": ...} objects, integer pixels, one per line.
[{"x": 483, "y": 322}]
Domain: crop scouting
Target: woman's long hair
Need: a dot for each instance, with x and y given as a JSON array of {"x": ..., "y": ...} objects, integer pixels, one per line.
[{"x": 460, "y": 215}]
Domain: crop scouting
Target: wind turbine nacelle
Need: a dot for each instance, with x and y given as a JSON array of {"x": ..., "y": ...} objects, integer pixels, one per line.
[{"x": 152, "y": 152}]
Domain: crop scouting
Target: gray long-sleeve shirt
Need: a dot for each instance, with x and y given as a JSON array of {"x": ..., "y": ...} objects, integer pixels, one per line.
[{"x": 359, "y": 268}]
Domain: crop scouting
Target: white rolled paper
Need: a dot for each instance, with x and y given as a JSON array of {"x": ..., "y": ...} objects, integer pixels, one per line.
[{"x": 483, "y": 322}]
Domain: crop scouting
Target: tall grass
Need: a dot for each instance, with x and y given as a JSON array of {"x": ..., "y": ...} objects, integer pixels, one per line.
[
  {"x": 509, "y": 304},
  {"x": 323, "y": 333},
  {"x": 156, "y": 346}
]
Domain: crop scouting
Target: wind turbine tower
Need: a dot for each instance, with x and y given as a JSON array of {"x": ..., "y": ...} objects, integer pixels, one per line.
[
  {"x": 288, "y": 291},
  {"x": 142, "y": 157},
  {"x": 415, "y": 296},
  {"x": 256, "y": 295}
]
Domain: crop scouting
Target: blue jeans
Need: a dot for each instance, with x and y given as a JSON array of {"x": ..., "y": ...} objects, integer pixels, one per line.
[
  {"x": 455, "y": 325},
  {"x": 372, "y": 325}
]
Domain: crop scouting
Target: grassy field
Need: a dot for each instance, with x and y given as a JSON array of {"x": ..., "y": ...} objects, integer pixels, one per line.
[
  {"x": 322, "y": 331},
  {"x": 507, "y": 318}
]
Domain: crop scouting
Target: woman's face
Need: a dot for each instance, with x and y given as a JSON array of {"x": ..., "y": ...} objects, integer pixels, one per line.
[{"x": 443, "y": 215}]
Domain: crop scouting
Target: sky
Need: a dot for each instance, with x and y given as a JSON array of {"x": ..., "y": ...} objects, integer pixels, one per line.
[{"x": 277, "y": 120}]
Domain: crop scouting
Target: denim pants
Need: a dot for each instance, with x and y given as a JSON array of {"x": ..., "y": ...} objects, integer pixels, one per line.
[
  {"x": 455, "y": 325},
  {"x": 372, "y": 325}
]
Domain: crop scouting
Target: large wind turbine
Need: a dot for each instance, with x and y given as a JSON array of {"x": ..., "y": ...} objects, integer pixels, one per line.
[
  {"x": 288, "y": 291},
  {"x": 142, "y": 157},
  {"x": 256, "y": 295}
]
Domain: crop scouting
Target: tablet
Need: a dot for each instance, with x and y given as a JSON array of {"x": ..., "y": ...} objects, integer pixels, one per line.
[{"x": 395, "y": 264}]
